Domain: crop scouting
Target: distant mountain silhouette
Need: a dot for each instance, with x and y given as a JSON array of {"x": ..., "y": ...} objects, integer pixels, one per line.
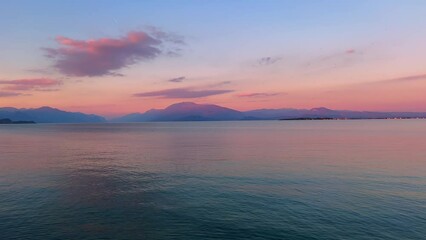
[
  {"x": 185, "y": 111},
  {"x": 188, "y": 111},
  {"x": 48, "y": 115}
]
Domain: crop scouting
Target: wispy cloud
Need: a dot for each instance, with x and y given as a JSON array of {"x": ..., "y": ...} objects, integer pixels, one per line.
[
  {"x": 98, "y": 57},
  {"x": 30, "y": 84},
  {"x": 339, "y": 55},
  {"x": 218, "y": 84},
  {"x": 49, "y": 90},
  {"x": 182, "y": 93},
  {"x": 380, "y": 85},
  {"x": 268, "y": 60},
  {"x": 403, "y": 79},
  {"x": 257, "y": 94},
  {"x": 43, "y": 71},
  {"x": 166, "y": 36},
  {"x": 9, "y": 94},
  {"x": 177, "y": 80},
  {"x": 339, "y": 59}
]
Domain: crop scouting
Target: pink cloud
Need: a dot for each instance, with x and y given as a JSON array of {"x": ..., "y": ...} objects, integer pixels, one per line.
[
  {"x": 182, "y": 93},
  {"x": 350, "y": 51},
  {"x": 30, "y": 84},
  {"x": 103, "y": 56}
]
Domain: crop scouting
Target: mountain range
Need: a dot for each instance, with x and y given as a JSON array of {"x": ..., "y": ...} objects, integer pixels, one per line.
[
  {"x": 188, "y": 111},
  {"x": 48, "y": 115},
  {"x": 185, "y": 111}
]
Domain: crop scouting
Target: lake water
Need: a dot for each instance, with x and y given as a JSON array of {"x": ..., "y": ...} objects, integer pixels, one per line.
[{"x": 361, "y": 179}]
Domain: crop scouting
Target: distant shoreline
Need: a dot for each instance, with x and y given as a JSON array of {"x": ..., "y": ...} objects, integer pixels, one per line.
[
  {"x": 8, "y": 121},
  {"x": 251, "y": 120},
  {"x": 324, "y": 119}
]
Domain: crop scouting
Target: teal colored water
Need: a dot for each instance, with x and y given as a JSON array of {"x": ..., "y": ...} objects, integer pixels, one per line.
[{"x": 214, "y": 180}]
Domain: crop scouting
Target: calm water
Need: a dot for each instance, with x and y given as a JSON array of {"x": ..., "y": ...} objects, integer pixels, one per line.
[{"x": 214, "y": 180}]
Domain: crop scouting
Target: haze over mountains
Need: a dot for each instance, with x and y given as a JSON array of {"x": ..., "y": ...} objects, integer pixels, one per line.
[
  {"x": 185, "y": 111},
  {"x": 48, "y": 115},
  {"x": 188, "y": 111}
]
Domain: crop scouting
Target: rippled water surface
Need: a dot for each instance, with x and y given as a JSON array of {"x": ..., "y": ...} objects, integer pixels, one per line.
[{"x": 214, "y": 180}]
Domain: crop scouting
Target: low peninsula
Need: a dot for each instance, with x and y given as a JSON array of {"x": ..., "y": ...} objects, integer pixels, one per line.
[{"x": 8, "y": 121}]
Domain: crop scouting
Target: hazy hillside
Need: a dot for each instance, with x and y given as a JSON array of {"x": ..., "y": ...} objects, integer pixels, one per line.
[
  {"x": 185, "y": 111},
  {"x": 48, "y": 115},
  {"x": 188, "y": 111}
]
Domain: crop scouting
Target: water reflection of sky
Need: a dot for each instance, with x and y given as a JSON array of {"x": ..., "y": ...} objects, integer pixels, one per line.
[{"x": 223, "y": 180}]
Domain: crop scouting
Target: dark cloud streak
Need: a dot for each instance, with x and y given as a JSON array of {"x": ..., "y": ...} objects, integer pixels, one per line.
[
  {"x": 9, "y": 94},
  {"x": 182, "y": 93},
  {"x": 177, "y": 80},
  {"x": 258, "y": 94},
  {"x": 265, "y": 61}
]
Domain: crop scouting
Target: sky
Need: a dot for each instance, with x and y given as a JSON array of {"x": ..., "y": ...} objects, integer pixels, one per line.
[{"x": 117, "y": 57}]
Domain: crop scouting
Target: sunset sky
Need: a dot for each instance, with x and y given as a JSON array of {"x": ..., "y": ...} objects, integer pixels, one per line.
[{"x": 118, "y": 57}]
